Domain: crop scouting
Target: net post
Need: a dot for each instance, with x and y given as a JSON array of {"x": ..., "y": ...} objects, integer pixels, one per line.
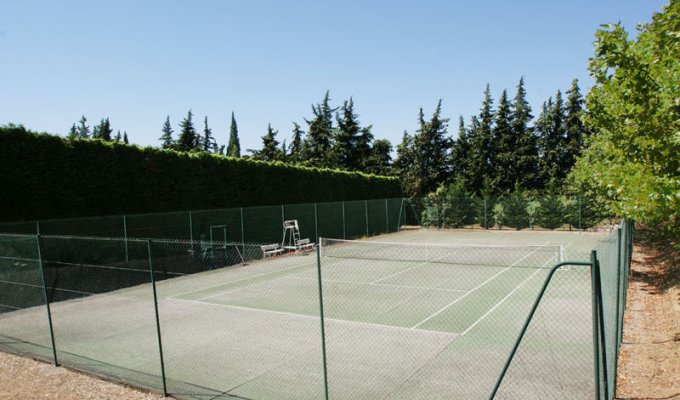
[
  {"x": 41, "y": 262},
  {"x": 344, "y": 234},
  {"x": 366, "y": 209},
  {"x": 125, "y": 236},
  {"x": 596, "y": 333},
  {"x": 149, "y": 246},
  {"x": 321, "y": 316},
  {"x": 387, "y": 218}
]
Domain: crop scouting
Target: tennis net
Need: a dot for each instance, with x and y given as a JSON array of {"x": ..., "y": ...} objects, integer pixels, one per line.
[{"x": 516, "y": 256}]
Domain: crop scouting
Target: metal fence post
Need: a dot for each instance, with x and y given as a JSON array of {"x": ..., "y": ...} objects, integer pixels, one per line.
[
  {"x": 596, "y": 334},
  {"x": 600, "y": 311},
  {"x": 158, "y": 323},
  {"x": 127, "y": 259},
  {"x": 366, "y": 209},
  {"x": 41, "y": 262},
  {"x": 344, "y": 231},
  {"x": 486, "y": 225},
  {"x": 323, "y": 332},
  {"x": 387, "y": 218},
  {"x": 191, "y": 232},
  {"x": 580, "y": 224},
  {"x": 401, "y": 209},
  {"x": 537, "y": 301},
  {"x": 243, "y": 237},
  {"x": 316, "y": 223},
  {"x": 283, "y": 215}
]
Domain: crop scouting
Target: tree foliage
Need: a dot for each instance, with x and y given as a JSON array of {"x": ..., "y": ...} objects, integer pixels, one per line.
[{"x": 633, "y": 156}]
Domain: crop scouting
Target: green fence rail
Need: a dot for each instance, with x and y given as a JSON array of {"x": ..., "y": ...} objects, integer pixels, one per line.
[{"x": 202, "y": 316}]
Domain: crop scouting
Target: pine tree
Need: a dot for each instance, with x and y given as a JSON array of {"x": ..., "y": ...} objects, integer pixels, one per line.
[
  {"x": 515, "y": 212},
  {"x": 559, "y": 134},
  {"x": 505, "y": 145},
  {"x": 270, "y": 147},
  {"x": 364, "y": 149},
  {"x": 167, "y": 142},
  {"x": 72, "y": 133},
  {"x": 345, "y": 145},
  {"x": 526, "y": 151},
  {"x": 573, "y": 125},
  {"x": 318, "y": 143},
  {"x": 102, "y": 131},
  {"x": 481, "y": 145},
  {"x": 187, "y": 136},
  {"x": 234, "y": 145},
  {"x": 295, "y": 149},
  {"x": 379, "y": 160},
  {"x": 404, "y": 164},
  {"x": 208, "y": 143},
  {"x": 82, "y": 129},
  {"x": 118, "y": 137},
  {"x": 125, "y": 138}
]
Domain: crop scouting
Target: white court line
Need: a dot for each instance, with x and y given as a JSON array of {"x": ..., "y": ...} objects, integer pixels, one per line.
[
  {"x": 381, "y": 284},
  {"x": 474, "y": 289},
  {"x": 316, "y": 317},
  {"x": 406, "y": 270},
  {"x": 177, "y": 296},
  {"x": 504, "y": 298}
]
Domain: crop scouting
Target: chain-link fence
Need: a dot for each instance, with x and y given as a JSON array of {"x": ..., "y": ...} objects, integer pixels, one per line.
[
  {"x": 517, "y": 211},
  {"x": 206, "y": 317},
  {"x": 343, "y": 219}
]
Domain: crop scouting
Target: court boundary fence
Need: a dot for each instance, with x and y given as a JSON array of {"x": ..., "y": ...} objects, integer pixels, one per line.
[{"x": 609, "y": 264}]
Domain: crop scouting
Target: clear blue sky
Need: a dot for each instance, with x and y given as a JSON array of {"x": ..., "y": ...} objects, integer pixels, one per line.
[{"x": 268, "y": 61}]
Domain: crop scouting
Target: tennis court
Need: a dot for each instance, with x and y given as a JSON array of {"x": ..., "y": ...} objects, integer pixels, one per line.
[{"x": 402, "y": 320}]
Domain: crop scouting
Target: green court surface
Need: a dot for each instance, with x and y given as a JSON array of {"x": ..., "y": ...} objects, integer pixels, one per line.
[{"x": 397, "y": 325}]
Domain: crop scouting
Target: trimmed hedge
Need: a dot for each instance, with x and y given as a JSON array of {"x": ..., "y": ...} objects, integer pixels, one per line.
[{"x": 44, "y": 176}]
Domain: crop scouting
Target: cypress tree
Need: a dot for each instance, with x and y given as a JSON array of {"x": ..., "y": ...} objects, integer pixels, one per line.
[
  {"x": 118, "y": 137},
  {"x": 504, "y": 146},
  {"x": 208, "y": 143},
  {"x": 526, "y": 150},
  {"x": 295, "y": 149},
  {"x": 125, "y": 138},
  {"x": 431, "y": 152},
  {"x": 319, "y": 135},
  {"x": 187, "y": 134},
  {"x": 460, "y": 153},
  {"x": 234, "y": 145},
  {"x": 345, "y": 145},
  {"x": 481, "y": 145},
  {"x": 167, "y": 142},
  {"x": 573, "y": 125},
  {"x": 103, "y": 130}
]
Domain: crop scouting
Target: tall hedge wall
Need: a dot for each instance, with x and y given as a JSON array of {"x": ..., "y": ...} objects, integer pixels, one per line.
[{"x": 44, "y": 176}]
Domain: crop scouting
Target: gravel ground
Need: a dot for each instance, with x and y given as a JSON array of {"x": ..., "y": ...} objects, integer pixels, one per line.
[
  {"x": 649, "y": 362},
  {"x": 24, "y": 378}
]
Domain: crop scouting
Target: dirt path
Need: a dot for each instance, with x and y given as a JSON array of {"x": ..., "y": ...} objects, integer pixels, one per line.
[
  {"x": 23, "y": 378},
  {"x": 649, "y": 362}
]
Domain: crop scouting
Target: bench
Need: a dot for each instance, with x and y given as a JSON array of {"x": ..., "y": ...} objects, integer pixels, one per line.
[
  {"x": 271, "y": 249},
  {"x": 303, "y": 244}
]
